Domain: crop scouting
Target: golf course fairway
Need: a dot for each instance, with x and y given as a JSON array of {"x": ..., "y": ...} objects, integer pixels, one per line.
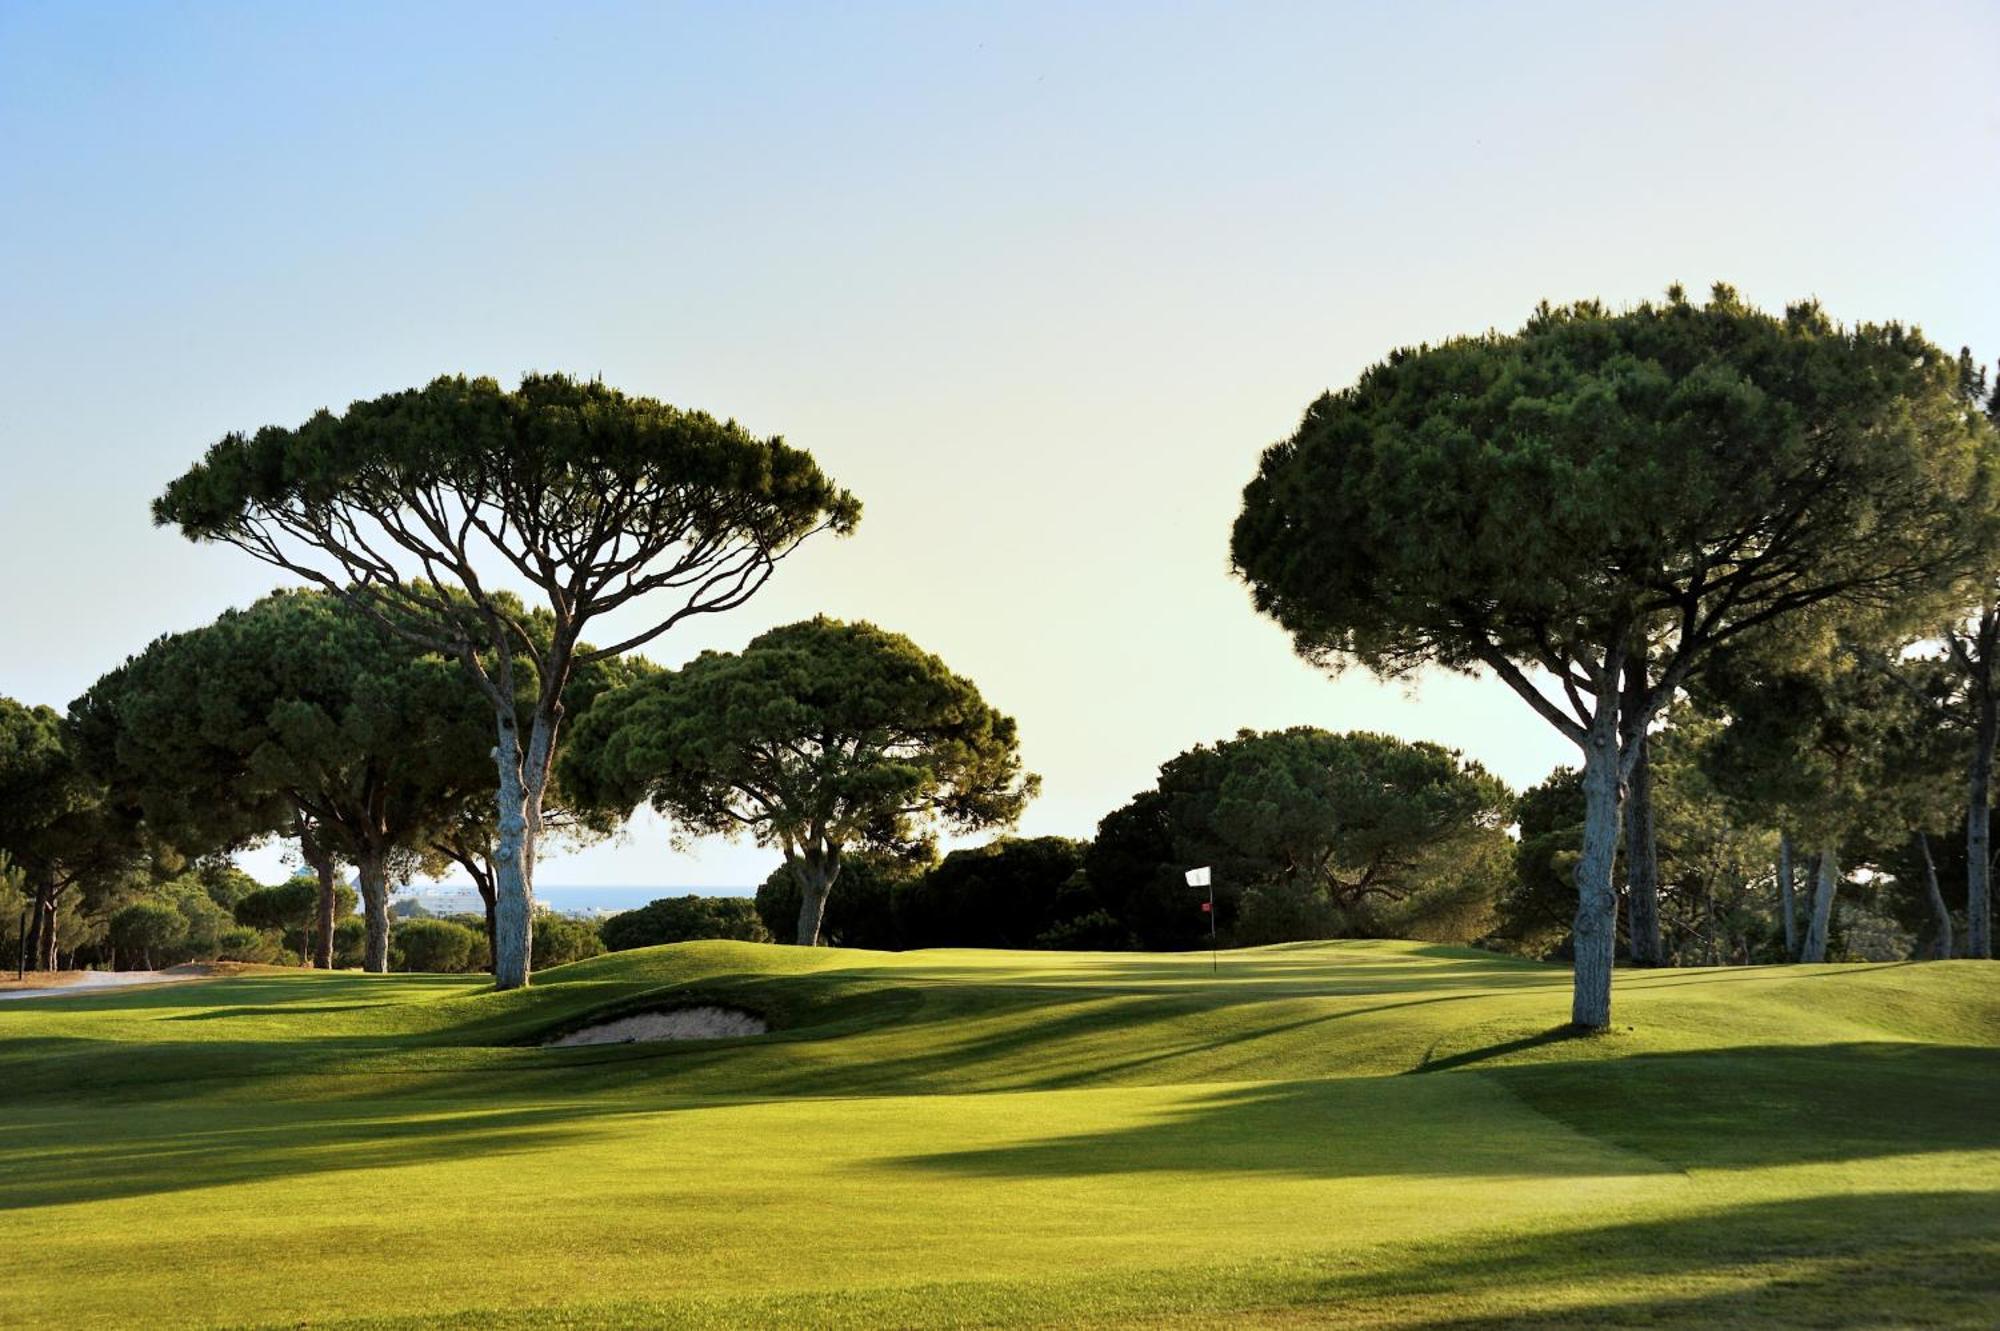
[{"x": 1358, "y": 1133}]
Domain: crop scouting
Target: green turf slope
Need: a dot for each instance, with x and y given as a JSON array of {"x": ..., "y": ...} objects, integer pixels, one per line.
[{"x": 1367, "y": 1134}]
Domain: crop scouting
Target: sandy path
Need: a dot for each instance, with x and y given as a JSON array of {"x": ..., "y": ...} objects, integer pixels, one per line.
[{"x": 93, "y": 981}]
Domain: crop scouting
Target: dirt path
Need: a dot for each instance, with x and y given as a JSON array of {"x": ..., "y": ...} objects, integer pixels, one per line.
[{"x": 88, "y": 982}]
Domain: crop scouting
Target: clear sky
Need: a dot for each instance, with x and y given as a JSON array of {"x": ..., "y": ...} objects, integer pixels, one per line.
[{"x": 1037, "y": 282}]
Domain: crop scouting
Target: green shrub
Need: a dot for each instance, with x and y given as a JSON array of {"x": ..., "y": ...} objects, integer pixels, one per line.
[
  {"x": 203, "y": 921},
  {"x": 561, "y": 938},
  {"x": 860, "y": 911},
  {"x": 147, "y": 932},
  {"x": 242, "y": 943},
  {"x": 1095, "y": 931},
  {"x": 350, "y": 941},
  {"x": 1287, "y": 913},
  {"x": 292, "y": 908},
  {"x": 679, "y": 919},
  {"x": 1007, "y": 893},
  {"x": 435, "y": 945}
]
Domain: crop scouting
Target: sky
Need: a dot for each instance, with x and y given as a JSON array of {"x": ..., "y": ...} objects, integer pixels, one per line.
[{"x": 1037, "y": 282}]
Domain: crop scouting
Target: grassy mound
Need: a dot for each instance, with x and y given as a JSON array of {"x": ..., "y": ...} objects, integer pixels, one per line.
[{"x": 1381, "y": 1134}]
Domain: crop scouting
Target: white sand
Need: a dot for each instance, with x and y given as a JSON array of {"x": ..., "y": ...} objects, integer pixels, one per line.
[
  {"x": 688, "y": 1023},
  {"x": 85, "y": 982}
]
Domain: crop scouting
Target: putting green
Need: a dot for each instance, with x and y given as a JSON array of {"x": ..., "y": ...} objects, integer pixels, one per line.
[{"x": 1371, "y": 1133}]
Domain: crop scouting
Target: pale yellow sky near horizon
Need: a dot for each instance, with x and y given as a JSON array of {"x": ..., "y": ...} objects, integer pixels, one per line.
[{"x": 1038, "y": 285}]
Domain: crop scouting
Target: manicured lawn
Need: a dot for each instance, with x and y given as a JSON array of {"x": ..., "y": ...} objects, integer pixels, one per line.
[{"x": 1374, "y": 1134}]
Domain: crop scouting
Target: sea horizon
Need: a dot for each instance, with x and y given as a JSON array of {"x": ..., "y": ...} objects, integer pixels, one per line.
[{"x": 567, "y": 897}]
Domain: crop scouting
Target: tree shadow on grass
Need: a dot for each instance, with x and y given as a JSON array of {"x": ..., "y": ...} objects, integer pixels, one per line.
[
  {"x": 1351, "y": 1127},
  {"x": 1256, "y": 976},
  {"x": 1856, "y": 1259},
  {"x": 1878, "y": 1258},
  {"x": 1743, "y": 1108},
  {"x": 1541, "y": 1039},
  {"x": 1782, "y": 1104},
  {"x": 136, "y": 1153},
  {"x": 1092, "y": 1040},
  {"x": 271, "y": 1010}
]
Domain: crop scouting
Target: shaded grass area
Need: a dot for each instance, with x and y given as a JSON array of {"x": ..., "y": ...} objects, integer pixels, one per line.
[
  {"x": 967, "y": 1138},
  {"x": 1720, "y": 1269}
]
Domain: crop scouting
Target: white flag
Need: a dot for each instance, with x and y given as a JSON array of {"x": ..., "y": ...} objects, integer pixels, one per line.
[{"x": 1198, "y": 877}]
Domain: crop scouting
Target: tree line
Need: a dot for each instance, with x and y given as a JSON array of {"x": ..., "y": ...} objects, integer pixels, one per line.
[{"x": 1745, "y": 562}]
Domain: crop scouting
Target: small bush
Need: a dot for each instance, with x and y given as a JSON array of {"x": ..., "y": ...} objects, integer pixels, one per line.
[
  {"x": 680, "y": 919},
  {"x": 243, "y": 943},
  {"x": 435, "y": 945},
  {"x": 1286, "y": 913},
  {"x": 147, "y": 931},
  {"x": 292, "y": 907},
  {"x": 1095, "y": 931},
  {"x": 561, "y": 938},
  {"x": 350, "y": 941}
]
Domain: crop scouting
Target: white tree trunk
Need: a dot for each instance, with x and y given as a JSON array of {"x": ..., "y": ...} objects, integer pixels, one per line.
[
  {"x": 1596, "y": 929},
  {"x": 1822, "y": 906},
  {"x": 1939, "y": 911},
  {"x": 513, "y": 895}
]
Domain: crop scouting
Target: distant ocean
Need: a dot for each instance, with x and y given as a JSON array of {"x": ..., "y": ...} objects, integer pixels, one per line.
[{"x": 580, "y": 899}]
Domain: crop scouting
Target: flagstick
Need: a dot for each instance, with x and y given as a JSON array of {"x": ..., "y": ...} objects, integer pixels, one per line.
[
  {"x": 1205, "y": 877},
  {"x": 1213, "y": 966}
]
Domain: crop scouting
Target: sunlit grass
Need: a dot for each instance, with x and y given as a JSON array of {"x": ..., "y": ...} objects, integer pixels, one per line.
[{"x": 1371, "y": 1133}]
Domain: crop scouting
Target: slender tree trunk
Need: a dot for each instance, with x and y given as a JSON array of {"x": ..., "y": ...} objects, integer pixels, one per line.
[
  {"x": 1939, "y": 911},
  {"x": 1642, "y": 853},
  {"x": 478, "y": 866},
  {"x": 514, "y": 893},
  {"x": 31, "y": 936},
  {"x": 1828, "y": 861},
  {"x": 485, "y": 886},
  {"x": 322, "y": 867},
  {"x": 1786, "y": 909},
  {"x": 1978, "y": 833},
  {"x": 815, "y": 871},
  {"x": 524, "y": 779},
  {"x": 1596, "y": 928},
  {"x": 47, "y": 905},
  {"x": 22, "y": 973},
  {"x": 1714, "y": 944},
  {"x": 328, "y": 902},
  {"x": 371, "y": 867}
]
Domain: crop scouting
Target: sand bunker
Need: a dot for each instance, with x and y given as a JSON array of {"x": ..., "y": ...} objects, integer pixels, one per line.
[{"x": 688, "y": 1023}]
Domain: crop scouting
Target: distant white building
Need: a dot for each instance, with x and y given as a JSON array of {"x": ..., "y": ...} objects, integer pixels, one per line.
[
  {"x": 440, "y": 900},
  {"x": 443, "y": 899}
]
